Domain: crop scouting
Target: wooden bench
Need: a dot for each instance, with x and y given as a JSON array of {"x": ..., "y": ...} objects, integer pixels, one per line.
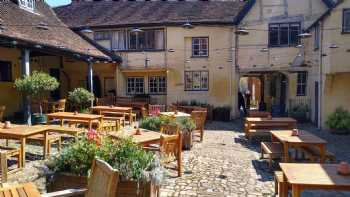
[
  {"x": 5, "y": 153},
  {"x": 260, "y": 114},
  {"x": 281, "y": 185},
  {"x": 313, "y": 154},
  {"x": 263, "y": 129},
  {"x": 113, "y": 122},
  {"x": 274, "y": 151},
  {"x": 52, "y": 138},
  {"x": 67, "y": 130}
]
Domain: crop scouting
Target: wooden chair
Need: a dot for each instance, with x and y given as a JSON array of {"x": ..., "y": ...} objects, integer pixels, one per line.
[
  {"x": 281, "y": 185},
  {"x": 273, "y": 150},
  {"x": 60, "y": 106},
  {"x": 103, "y": 181},
  {"x": 52, "y": 138},
  {"x": 2, "y": 111},
  {"x": 199, "y": 118},
  {"x": 313, "y": 155},
  {"x": 156, "y": 109},
  {"x": 5, "y": 154}
]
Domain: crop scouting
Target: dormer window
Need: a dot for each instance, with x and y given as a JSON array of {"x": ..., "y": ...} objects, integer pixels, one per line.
[{"x": 27, "y": 4}]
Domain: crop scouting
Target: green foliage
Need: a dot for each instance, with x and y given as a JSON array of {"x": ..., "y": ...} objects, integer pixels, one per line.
[
  {"x": 153, "y": 122},
  {"x": 37, "y": 85},
  {"x": 222, "y": 113},
  {"x": 129, "y": 159},
  {"x": 301, "y": 108},
  {"x": 77, "y": 158},
  {"x": 81, "y": 98},
  {"x": 340, "y": 120},
  {"x": 186, "y": 124}
]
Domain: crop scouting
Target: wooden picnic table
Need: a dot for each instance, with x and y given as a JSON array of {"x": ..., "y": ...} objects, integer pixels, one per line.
[
  {"x": 78, "y": 117},
  {"x": 146, "y": 138},
  {"x": 21, "y": 190},
  {"x": 304, "y": 139},
  {"x": 313, "y": 176},
  {"x": 21, "y": 133},
  {"x": 177, "y": 115},
  {"x": 128, "y": 110}
]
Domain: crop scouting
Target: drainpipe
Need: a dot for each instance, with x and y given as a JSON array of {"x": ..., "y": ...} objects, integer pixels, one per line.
[
  {"x": 320, "y": 85},
  {"x": 25, "y": 54},
  {"x": 90, "y": 79}
]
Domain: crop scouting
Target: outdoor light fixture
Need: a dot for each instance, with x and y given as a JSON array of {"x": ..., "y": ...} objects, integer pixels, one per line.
[
  {"x": 86, "y": 31},
  {"x": 187, "y": 25},
  {"x": 242, "y": 32},
  {"x": 136, "y": 30},
  {"x": 304, "y": 35},
  {"x": 333, "y": 46},
  {"x": 264, "y": 50},
  {"x": 14, "y": 42},
  {"x": 38, "y": 46}
]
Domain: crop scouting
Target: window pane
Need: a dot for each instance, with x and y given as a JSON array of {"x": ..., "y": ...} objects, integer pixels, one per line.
[
  {"x": 294, "y": 34},
  {"x": 346, "y": 21},
  {"x": 141, "y": 40},
  {"x": 188, "y": 80},
  {"x": 159, "y": 39},
  {"x": 132, "y": 41},
  {"x": 205, "y": 80},
  {"x": 273, "y": 35},
  {"x": 118, "y": 40},
  {"x": 317, "y": 37},
  {"x": 284, "y": 34},
  {"x": 5, "y": 71},
  {"x": 150, "y": 39}
]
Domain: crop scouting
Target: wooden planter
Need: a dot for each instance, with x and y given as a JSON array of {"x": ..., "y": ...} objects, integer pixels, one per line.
[
  {"x": 62, "y": 181},
  {"x": 187, "y": 140}
]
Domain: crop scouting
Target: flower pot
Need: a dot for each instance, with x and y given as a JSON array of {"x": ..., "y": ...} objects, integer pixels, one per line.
[
  {"x": 187, "y": 137},
  {"x": 39, "y": 118},
  {"x": 62, "y": 181}
]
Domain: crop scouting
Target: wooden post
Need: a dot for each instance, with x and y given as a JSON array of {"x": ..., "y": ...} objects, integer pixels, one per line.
[
  {"x": 90, "y": 79},
  {"x": 25, "y": 55}
]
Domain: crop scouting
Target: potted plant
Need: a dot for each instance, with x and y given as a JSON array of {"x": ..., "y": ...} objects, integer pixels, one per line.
[
  {"x": 187, "y": 125},
  {"x": 140, "y": 171},
  {"x": 80, "y": 98},
  {"x": 37, "y": 86},
  {"x": 300, "y": 112},
  {"x": 222, "y": 113},
  {"x": 339, "y": 121},
  {"x": 153, "y": 122}
]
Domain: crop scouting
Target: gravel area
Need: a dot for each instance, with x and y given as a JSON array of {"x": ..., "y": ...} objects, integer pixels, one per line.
[{"x": 224, "y": 164}]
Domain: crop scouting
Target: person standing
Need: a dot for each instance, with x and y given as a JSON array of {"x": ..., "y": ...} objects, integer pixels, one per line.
[{"x": 241, "y": 103}]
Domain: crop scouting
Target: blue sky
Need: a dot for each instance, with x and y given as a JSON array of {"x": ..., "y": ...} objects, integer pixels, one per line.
[{"x": 55, "y": 3}]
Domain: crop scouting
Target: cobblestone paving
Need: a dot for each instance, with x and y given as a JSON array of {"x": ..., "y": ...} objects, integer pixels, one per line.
[{"x": 224, "y": 164}]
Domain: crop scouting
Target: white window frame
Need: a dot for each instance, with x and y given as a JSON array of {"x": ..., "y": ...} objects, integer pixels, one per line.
[
  {"x": 302, "y": 84},
  {"x": 199, "y": 42},
  {"x": 159, "y": 84},
  {"x": 27, "y": 4},
  {"x": 133, "y": 89}
]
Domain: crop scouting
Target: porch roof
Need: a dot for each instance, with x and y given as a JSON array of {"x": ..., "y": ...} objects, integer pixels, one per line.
[{"x": 41, "y": 29}]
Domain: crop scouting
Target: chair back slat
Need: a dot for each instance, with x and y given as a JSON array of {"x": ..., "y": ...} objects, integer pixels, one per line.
[
  {"x": 2, "y": 111},
  {"x": 199, "y": 118},
  {"x": 103, "y": 180},
  {"x": 169, "y": 129}
]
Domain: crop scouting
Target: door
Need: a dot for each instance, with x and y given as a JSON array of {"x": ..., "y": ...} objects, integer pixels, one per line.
[
  {"x": 316, "y": 102},
  {"x": 55, "y": 72}
]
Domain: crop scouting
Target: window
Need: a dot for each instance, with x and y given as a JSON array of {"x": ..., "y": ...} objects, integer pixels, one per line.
[
  {"x": 196, "y": 80},
  {"x": 135, "y": 85},
  {"x": 119, "y": 40},
  {"x": 317, "y": 37},
  {"x": 102, "y": 35},
  {"x": 284, "y": 34},
  {"x": 346, "y": 21},
  {"x": 200, "y": 47},
  {"x": 149, "y": 39},
  {"x": 157, "y": 85},
  {"x": 27, "y": 4},
  {"x": 301, "y": 83},
  {"x": 5, "y": 71}
]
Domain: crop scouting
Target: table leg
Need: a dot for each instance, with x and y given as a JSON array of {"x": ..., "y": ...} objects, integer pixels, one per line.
[
  {"x": 285, "y": 152},
  {"x": 296, "y": 191},
  {"x": 62, "y": 122},
  {"x": 46, "y": 144},
  {"x": 90, "y": 124},
  {"x": 23, "y": 151},
  {"x": 130, "y": 118},
  {"x": 322, "y": 153}
]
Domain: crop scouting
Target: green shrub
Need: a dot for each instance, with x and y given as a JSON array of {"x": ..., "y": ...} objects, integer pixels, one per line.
[
  {"x": 222, "y": 113},
  {"x": 37, "y": 86},
  {"x": 80, "y": 98},
  {"x": 186, "y": 124},
  {"x": 153, "y": 122},
  {"x": 339, "y": 120}
]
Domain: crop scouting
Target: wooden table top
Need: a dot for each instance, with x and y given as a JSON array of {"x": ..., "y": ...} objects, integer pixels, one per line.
[
  {"x": 304, "y": 137},
  {"x": 21, "y": 190},
  {"x": 146, "y": 136},
  {"x": 314, "y": 174},
  {"x": 179, "y": 114},
  {"x": 71, "y": 115},
  {"x": 110, "y": 108},
  {"x": 23, "y": 130},
  {"x": 275, "y": 119}
]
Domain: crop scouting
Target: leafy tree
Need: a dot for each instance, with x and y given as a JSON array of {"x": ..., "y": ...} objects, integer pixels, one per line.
[
  {"x": 80, "y": 97},
  {"x": 37, "y": 86}
]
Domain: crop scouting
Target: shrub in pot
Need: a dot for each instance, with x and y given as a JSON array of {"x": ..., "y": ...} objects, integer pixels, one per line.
[
  {"x": 339, "y": 121},
  {"x": 187, "y": 125},
  {"x": 36, "y": 86},
  {"x": 153, "y": 122},
  {"x": 222, "y": 113},
  {"x": 300, "y": 112},
  {"x": 140, "y": 171},
  {"x": 81, "y": 99}
]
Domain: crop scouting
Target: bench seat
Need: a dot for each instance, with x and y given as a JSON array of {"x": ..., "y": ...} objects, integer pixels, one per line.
[
  {"x": 313, "y": 154},
  {"x": 274, "y": 151}
]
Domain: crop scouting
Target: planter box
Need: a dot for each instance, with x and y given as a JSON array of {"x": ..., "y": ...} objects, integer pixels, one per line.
[{"x": 62, "y": 181}]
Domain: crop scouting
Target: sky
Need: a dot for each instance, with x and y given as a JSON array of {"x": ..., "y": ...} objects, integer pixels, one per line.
[{"x": 54, "y": 3}]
